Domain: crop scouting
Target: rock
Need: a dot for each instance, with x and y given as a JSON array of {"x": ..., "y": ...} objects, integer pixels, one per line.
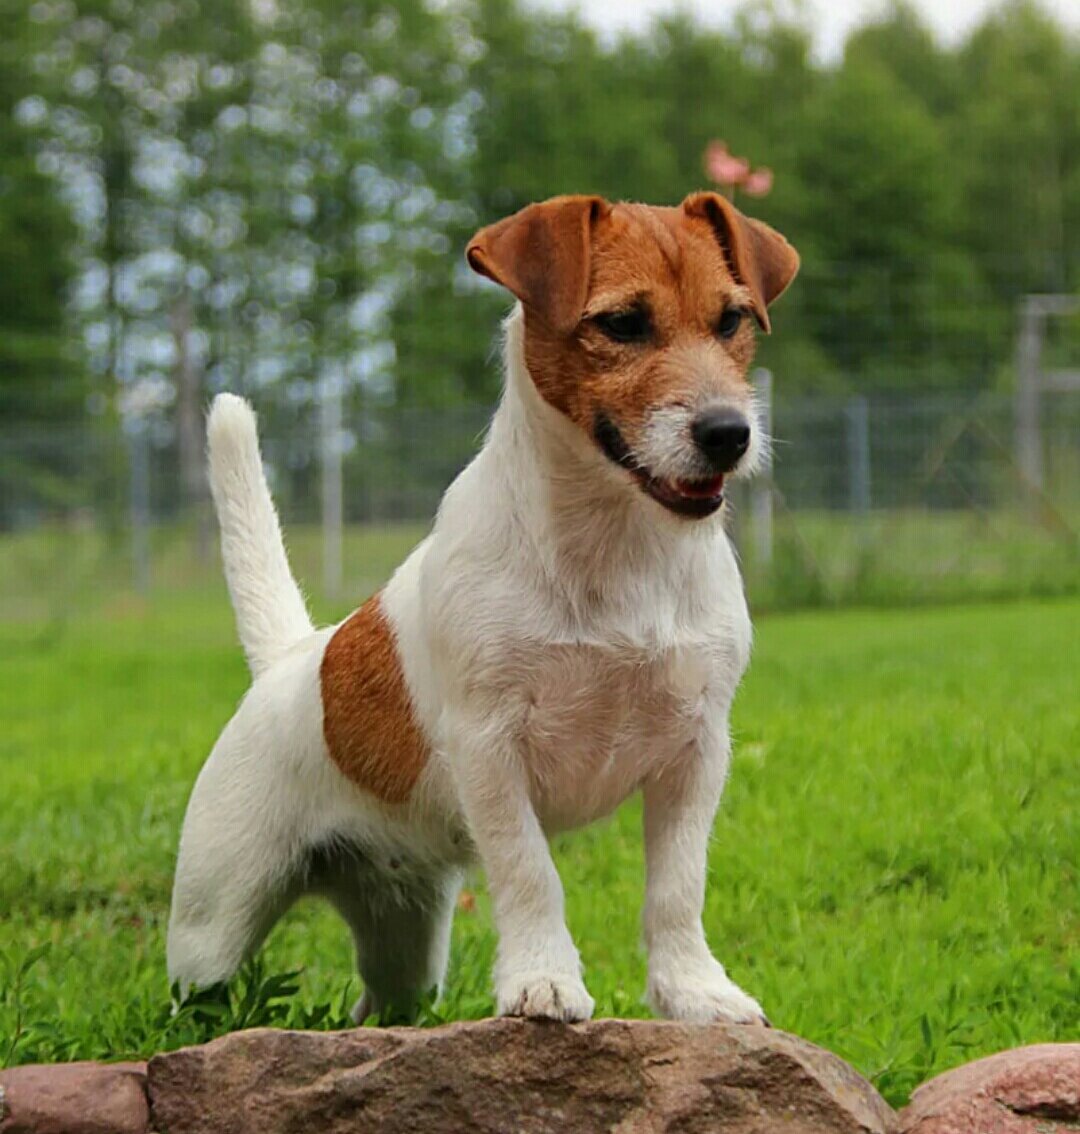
[
  {"x": 630, "y": 1077},
  {"x": 1032, "y": 1090},
  {"x": 74, "y": 1098}
]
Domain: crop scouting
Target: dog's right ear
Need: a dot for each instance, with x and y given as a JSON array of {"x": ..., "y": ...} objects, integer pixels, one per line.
[{"x": 541, "y": 254}]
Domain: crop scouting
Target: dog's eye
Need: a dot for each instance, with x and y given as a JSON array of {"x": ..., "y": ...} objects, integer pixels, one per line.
[
  {"x": 630, "y": 326},
  {"x": 729, "y": 322}
]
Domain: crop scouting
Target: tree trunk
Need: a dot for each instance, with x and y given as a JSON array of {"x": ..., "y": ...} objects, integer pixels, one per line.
[{"x": 190, "y": 427}]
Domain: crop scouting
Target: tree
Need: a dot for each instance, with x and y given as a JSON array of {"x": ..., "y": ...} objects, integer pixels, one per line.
[
  {"x": 41, "y": 378},
  {"x": 900, "y": 41},
  {"x": 882, "y": 206},
  {"x": 1017, "y": 139}
]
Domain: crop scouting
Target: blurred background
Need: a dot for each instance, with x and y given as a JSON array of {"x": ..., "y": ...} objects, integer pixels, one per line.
[{"x": 273, "y": 198}]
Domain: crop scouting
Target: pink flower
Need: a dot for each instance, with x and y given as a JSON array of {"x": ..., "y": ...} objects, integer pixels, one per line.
[
  {"x": 722, "y": 167},
  {"x": 758, "y": 183}
]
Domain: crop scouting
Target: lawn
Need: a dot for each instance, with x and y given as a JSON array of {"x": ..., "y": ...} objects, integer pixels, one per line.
[{"x": 893, "y": 874}]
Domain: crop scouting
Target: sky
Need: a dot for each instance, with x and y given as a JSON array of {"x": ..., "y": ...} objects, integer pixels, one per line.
[{"x": 831, "y": 18}]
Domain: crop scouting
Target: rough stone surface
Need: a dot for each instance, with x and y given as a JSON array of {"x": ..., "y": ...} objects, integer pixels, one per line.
[
  {"x": 1031, "y": 1090},
  {"x": 74, "y": 1098},
  {"x": 628, "y": 1077}
]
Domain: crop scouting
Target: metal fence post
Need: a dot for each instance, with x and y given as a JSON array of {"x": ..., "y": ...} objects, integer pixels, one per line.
[
  {"x": 761, "y": 492},
  {"x": 1028, "y": 349},
  {"x": 333, "y": 517},
  {"x": 857, "y": 412},
  {"x": 139, "y": 502}
]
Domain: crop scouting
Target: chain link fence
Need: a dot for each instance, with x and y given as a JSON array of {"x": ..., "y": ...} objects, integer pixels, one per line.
[{"x": 899, "y": 497}]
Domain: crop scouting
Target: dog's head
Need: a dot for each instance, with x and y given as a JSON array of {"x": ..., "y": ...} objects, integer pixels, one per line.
[{"x": 639, "y": 327}]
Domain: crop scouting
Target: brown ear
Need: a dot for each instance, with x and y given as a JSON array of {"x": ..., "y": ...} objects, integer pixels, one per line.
[
  {"x": 541, "y": 255},
  {"x": 757, "y": 255}
]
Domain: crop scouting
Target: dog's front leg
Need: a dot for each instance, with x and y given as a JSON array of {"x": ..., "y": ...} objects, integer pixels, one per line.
[
  {"x": 537, "y": 969},
  {"x": 686, "y": 982}
]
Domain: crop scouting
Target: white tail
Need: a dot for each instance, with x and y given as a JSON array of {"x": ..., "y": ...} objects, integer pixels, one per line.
[{"x": 270, "y": 612}]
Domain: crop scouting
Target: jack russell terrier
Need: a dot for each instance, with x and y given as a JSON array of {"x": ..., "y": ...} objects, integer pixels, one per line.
[{"x": 572, "y": 631}]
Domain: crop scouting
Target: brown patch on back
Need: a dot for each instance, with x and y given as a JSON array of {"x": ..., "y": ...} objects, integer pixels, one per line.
[{"x": 368, "y": 719}]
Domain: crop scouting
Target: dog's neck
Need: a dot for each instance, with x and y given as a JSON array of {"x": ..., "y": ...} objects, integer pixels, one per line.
[{"x": 592, "y": 527}]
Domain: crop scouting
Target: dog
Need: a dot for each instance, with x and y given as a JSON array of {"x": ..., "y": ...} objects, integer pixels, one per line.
[{"x": 572, "y": 631}]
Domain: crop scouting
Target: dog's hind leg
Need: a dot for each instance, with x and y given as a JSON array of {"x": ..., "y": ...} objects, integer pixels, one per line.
[
  {"x": 242, "y": 859},
  {"x": 401, "y": 928}
]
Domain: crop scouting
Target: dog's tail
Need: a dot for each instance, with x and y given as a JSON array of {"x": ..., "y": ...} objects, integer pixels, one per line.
[{"x": 270, "y": 612}]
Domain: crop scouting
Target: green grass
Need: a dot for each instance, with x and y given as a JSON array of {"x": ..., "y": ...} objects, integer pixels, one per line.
[
  {"x": 50, "y": 574},
  {"x": 894, "y": 870},
  {"x": 914, "y": 556},
  {"x": 902, "y": 557}
]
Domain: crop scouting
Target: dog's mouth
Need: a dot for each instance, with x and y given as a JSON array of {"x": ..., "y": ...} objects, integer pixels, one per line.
[{"x": 696, "y": 497}]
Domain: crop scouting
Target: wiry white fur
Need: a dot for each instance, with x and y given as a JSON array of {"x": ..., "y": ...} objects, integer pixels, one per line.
[
  {"x": 270, "y": 611},
  {"x": 566, "y": 642},
  {"x": 667, "y": 450}
]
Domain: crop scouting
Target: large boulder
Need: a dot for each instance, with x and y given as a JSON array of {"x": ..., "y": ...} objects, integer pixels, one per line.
[
  {"x": 630, "y": 1077},
  {"x": 74, "y": 1098},
  {"x": 633, "y": 1077},
  {"x": 1030, "y": 1090}
]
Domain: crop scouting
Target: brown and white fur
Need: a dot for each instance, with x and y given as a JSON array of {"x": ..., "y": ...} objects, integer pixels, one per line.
[{"x": 572, "y": 631}]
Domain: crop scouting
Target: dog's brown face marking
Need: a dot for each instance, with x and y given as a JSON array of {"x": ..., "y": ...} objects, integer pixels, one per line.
[
  {"x": 662, "y": 277},
  {"x": 633, "y": 309},
  {"x": 368, "y": 720}
]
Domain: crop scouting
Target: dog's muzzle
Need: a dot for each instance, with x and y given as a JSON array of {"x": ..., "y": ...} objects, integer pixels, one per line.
[{"x": 694, "y": 497}]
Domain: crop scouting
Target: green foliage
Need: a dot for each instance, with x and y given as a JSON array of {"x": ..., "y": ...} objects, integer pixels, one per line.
[
  {"x": 1017, "y": 136},
  {"x": 297, "y": 182},
  {"x": 254, "y": 998},
  {"x": 36, "y": 234},
  {"x": 874, "y": 151}
]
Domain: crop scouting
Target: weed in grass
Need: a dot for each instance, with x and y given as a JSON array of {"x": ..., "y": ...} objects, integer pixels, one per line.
[
  {"x": 255, "y": 998},
  {"x": 12, "y": 992}
]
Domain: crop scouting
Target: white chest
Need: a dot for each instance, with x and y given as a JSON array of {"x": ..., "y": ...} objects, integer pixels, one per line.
[{"x": 600, "y": 719}]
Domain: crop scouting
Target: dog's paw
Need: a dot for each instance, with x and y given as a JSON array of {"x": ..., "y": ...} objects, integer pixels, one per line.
[
  {"x": 546, "y": 996},
  {"x": 703, "y": 997}
]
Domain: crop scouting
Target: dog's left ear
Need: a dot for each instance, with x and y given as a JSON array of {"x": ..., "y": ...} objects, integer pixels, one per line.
[
  {"x": 758, "y": 256},
  {"x": 541, "y": 254}
]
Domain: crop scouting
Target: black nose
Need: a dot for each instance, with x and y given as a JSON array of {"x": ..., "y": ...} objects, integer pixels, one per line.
[{"x": 723, "y": 435}]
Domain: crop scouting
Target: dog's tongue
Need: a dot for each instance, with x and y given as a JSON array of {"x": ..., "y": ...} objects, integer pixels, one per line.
[{"x": 701, "y": 489}]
